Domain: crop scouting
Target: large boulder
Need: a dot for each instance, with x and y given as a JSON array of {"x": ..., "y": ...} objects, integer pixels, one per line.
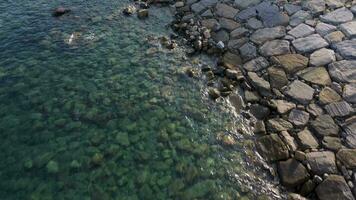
[
  {"x": 334, "y": 187},
  {"x": 292, "y": 173},
  {"x": 322, "y": 162}
]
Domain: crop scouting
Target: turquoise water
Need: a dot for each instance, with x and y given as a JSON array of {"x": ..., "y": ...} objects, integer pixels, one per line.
[{"x": 109, "y": 114}]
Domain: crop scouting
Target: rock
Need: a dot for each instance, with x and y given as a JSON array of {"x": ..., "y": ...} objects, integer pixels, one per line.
[
  {"x": 234, "y": 74},
  {"x": 322, "y": 57},
  {"x": 324, "y": 29},
  {"x": 261, "y": 85},
  {"x": 214, "y": 93},
  {"x": 334, "y": 187},
  {"x": 307, "y": 140},
  {"x": 332, "y": 143},
  {"x": 349, "y": 133},
  {"x": 242, "y": 4},
  {"x": 237, "y": 102},
  {"x": 209, "y": 23},
  {"x": 271, "y": 16},
  {"x": 349, "y": 29},
  {"x": 179, "y": 4},
  {"x": 259, "y": 111},
  {"x": 228, "y": 24},
  {"x": 277, "y": 77},
  {"x": 349, "y": 93},
  {"x": 259, "y": 127},
  {"x": 262, "y": 35},
  {"x": 301, "y": 30},
  {"x": 251, "y": 96},
  {"x": 347, "y": 49},
  {"x": 248, "y": 51},
  {"x": 299, "y": 17},
  {"x": 226, "y": 11},
  {"x": 254, "y": 23},
  {"x": 142, "y": 13},
  {"x": 307, "y": 188},
  {"x": 238, "y": 33},
  {"x": 275, "y": 47},
  {"x": 235, "y": 44},
  {"x": 231, "y": 60},
  {"x": 207, "y": 14},
  {"x": 338, "y": 16},
  {"x": 315, "y": 75},
  {"x": 314, "y": 110},
  {"x": 294, "y": 196},
  {"x": 339, "y": 109},
  {"x": 324, "y": 125},
  {"x": 292, "y": 63},
  {"x": 343, "y": 71},
  {"x": 292, "y": 173},
  {"x": 278, "y": 124},
  {"x": 291, "y": 8},
  {"x": 60, "y": 11},
  {"x": 353, "y": 9},
  {"x": 335, "y": 3},
  {"x": 328, "y": 95},
  {"x": 220, "y": 35},
  {"x": 310, "y": 43},
  {"x": 282, "y": 106},
  {"x": 289, "y": 141},
  {"x": 322, "y": 162},
  {"x": 315, "y": 6},
  {"x": 300, "y": 92},
  {"x": 347, "y": 158},
  {"x": 52, "y": 167},
  {"x": 298, "y": 117},
  {"x": 272, "y": 147},
  {"x": 202, "y": 5},
  {"x": 256, "y": 64},
  {"x": 334, "y": 37},
  {"x": 247, "y": 14}
]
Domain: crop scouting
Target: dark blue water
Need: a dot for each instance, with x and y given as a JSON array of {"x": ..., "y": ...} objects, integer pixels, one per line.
[{"x": 109, "y": 114}]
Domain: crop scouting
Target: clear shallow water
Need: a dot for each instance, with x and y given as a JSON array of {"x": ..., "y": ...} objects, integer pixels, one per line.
[{"x": 105, "y": 117}]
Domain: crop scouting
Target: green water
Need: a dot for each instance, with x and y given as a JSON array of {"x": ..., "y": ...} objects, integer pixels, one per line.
[{"x": 110, "y": 115}]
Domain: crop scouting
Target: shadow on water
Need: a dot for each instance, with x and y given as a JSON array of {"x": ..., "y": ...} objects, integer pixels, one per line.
[{"x": 92, "y": 109}]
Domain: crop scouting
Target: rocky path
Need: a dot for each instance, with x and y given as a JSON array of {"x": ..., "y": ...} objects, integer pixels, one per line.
[{"x": 296, "y": 61}]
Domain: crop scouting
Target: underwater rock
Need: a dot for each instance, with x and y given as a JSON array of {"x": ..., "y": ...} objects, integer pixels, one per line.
[
  {"x": 142, "y": 13},
  {"x": 60, "y": 11},
  {"x": 129, "y": 10},
  {"x": 52, "y": 167}
]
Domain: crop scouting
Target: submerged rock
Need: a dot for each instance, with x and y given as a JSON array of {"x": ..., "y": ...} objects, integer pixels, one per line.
[{"x": 60, "y": 11}]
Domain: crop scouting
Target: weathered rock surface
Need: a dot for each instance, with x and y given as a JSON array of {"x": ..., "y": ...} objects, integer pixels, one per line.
[
  {"x": 301, "y": 30},
  {"x": 307, "y": 140},
  {"x": 324, "y": 29},
  {"x": 272, "y": 147},
  {"x": 261, "y": 85},
  {"x": 289, "y": 141},
  {"x": 334, "y": 187},
  {"x": 299, "y": 17},
  {"x": 275, "y": 47},
  {"x": 292, "y": 173},
  {"x": 349, "y": 29},
  {"x": 343, "y": 71},
  {"x": 228, "y": 24},
  {"x": 324, "y": 125},
  {"x": 314, "y": 110},
  {"x": 256, "y": 64},
  {"x": 332, "y": 143},
  {"x": 242, "y": 4},
  {"x": 349, "y": 93},
  {"x": 291, "y": 8},
  {"x": 283, "y": 106},
  {"x": 316, "y": 75},
  {"x": 322, "y": 162},
  {"x": 223, "y": 10},
  {"x": 202, "y": 5},
  {"x": 338, "y": 16},
  {"x": 262, "y": 35},
  {"x": 298, "y": 117},
  {"x": 322, "y": 57},
  {"x": 248, "y": 51},
  {"x": 277, "y": 77},
  {"x": 231, "y": 60},
  {"x": 300, "y": 92},
  {"x": 347, "y": 157},
  {"x": 339, "y": 109},
  {"x": 334, "y": 37},
  {"x": 277, "y": 125},
  {"x": 328, "y": 95},
  {"x": 292, "y": 63},
  {"x": 310, "y": 43},
  {"x": 315, "y": 6},
  {"x": 347, "y": 49},
  {"x": 271, "y": 16}
]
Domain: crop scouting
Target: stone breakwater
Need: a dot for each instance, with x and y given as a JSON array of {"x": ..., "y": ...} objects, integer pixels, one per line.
[{"x": 296, "y": 63}]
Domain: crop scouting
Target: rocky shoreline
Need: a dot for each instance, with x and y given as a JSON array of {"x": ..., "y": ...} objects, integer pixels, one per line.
[{"x": 296, "y": 62}]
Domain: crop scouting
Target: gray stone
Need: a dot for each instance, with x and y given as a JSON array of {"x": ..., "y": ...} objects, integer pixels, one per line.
[
  {"x": 282, "y": 106},
  {"x": 328, "y": 95},
  {"x": 251, "y": 96},
  {"x": 349, "y": 132},
  {"x": 298, "y": 117},
  {"x": 322, "y": 57},
  {"x": 349, "y": 93},
  {"x": 315, "y": 75},
  {"x": 291, "y": 8},
  {"x": 334, "y": 37},
  {"x": 228, "y": 24},
  {"x": 254, "y": 23},
  {"x": 332, "y": 143},
  {"x": 314, "y": 110},
  {"x": 261, "y": 85},
  {"x": 223, "y": 10},
  {"x": 334, "y": 187},
  {"x": 259, "y": 127},
  {"x": 324, "y": 29},
  {"x": 349, "y": 29},
  {"x": 347, "y": 157},
  {"x": 277, "y": 77},
  {"x": 299, "y": 17},
  {"x": 310, "y": 43},
  {"x": 235, "y": 44},
  {"x": 256, "y": 64},
  {"x": 259, "y": 111},
  {"x": 246, "y": 14},
  {"x": 338, "y": 16},
  {"x": 272, "y": 147},
  {"x": 242, "y": 4},
  {"x": 206, "y": 14},
  {"x": 339, "y": 109},
  {"x": 221, "y": 35},
  {"x": 301, "y": 30},
  {"x": 307, "y": 140},
  {"x": 292, "y": 173},
  {"x": 231, "y": 60},
  {"x": 333, "y": 4},
  {"x": 343, "y": 71},
  {"x": 353, "y": 9},
  {"x": 324, "y": 125},
  {"x": 275, "y": 47},
  {"x": 300, "y": 92},
  {"x": 292, "y": 63},
  {"x": 262, "y": 35},
  {"x": 315, "y": 6},
  {"x": 248, "y": 51},
  {"x": 347, "y": 49},
  {"x": 202, "y": 5},
  {"x": 289, "y": 141},
  {"x": 322, "y": 162},
  {"x": 271, "y": 16},
  {"x": 238, "y": 33},
  {"x": 278, "y": 125},
  {"x": 210, "y": 23}
]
